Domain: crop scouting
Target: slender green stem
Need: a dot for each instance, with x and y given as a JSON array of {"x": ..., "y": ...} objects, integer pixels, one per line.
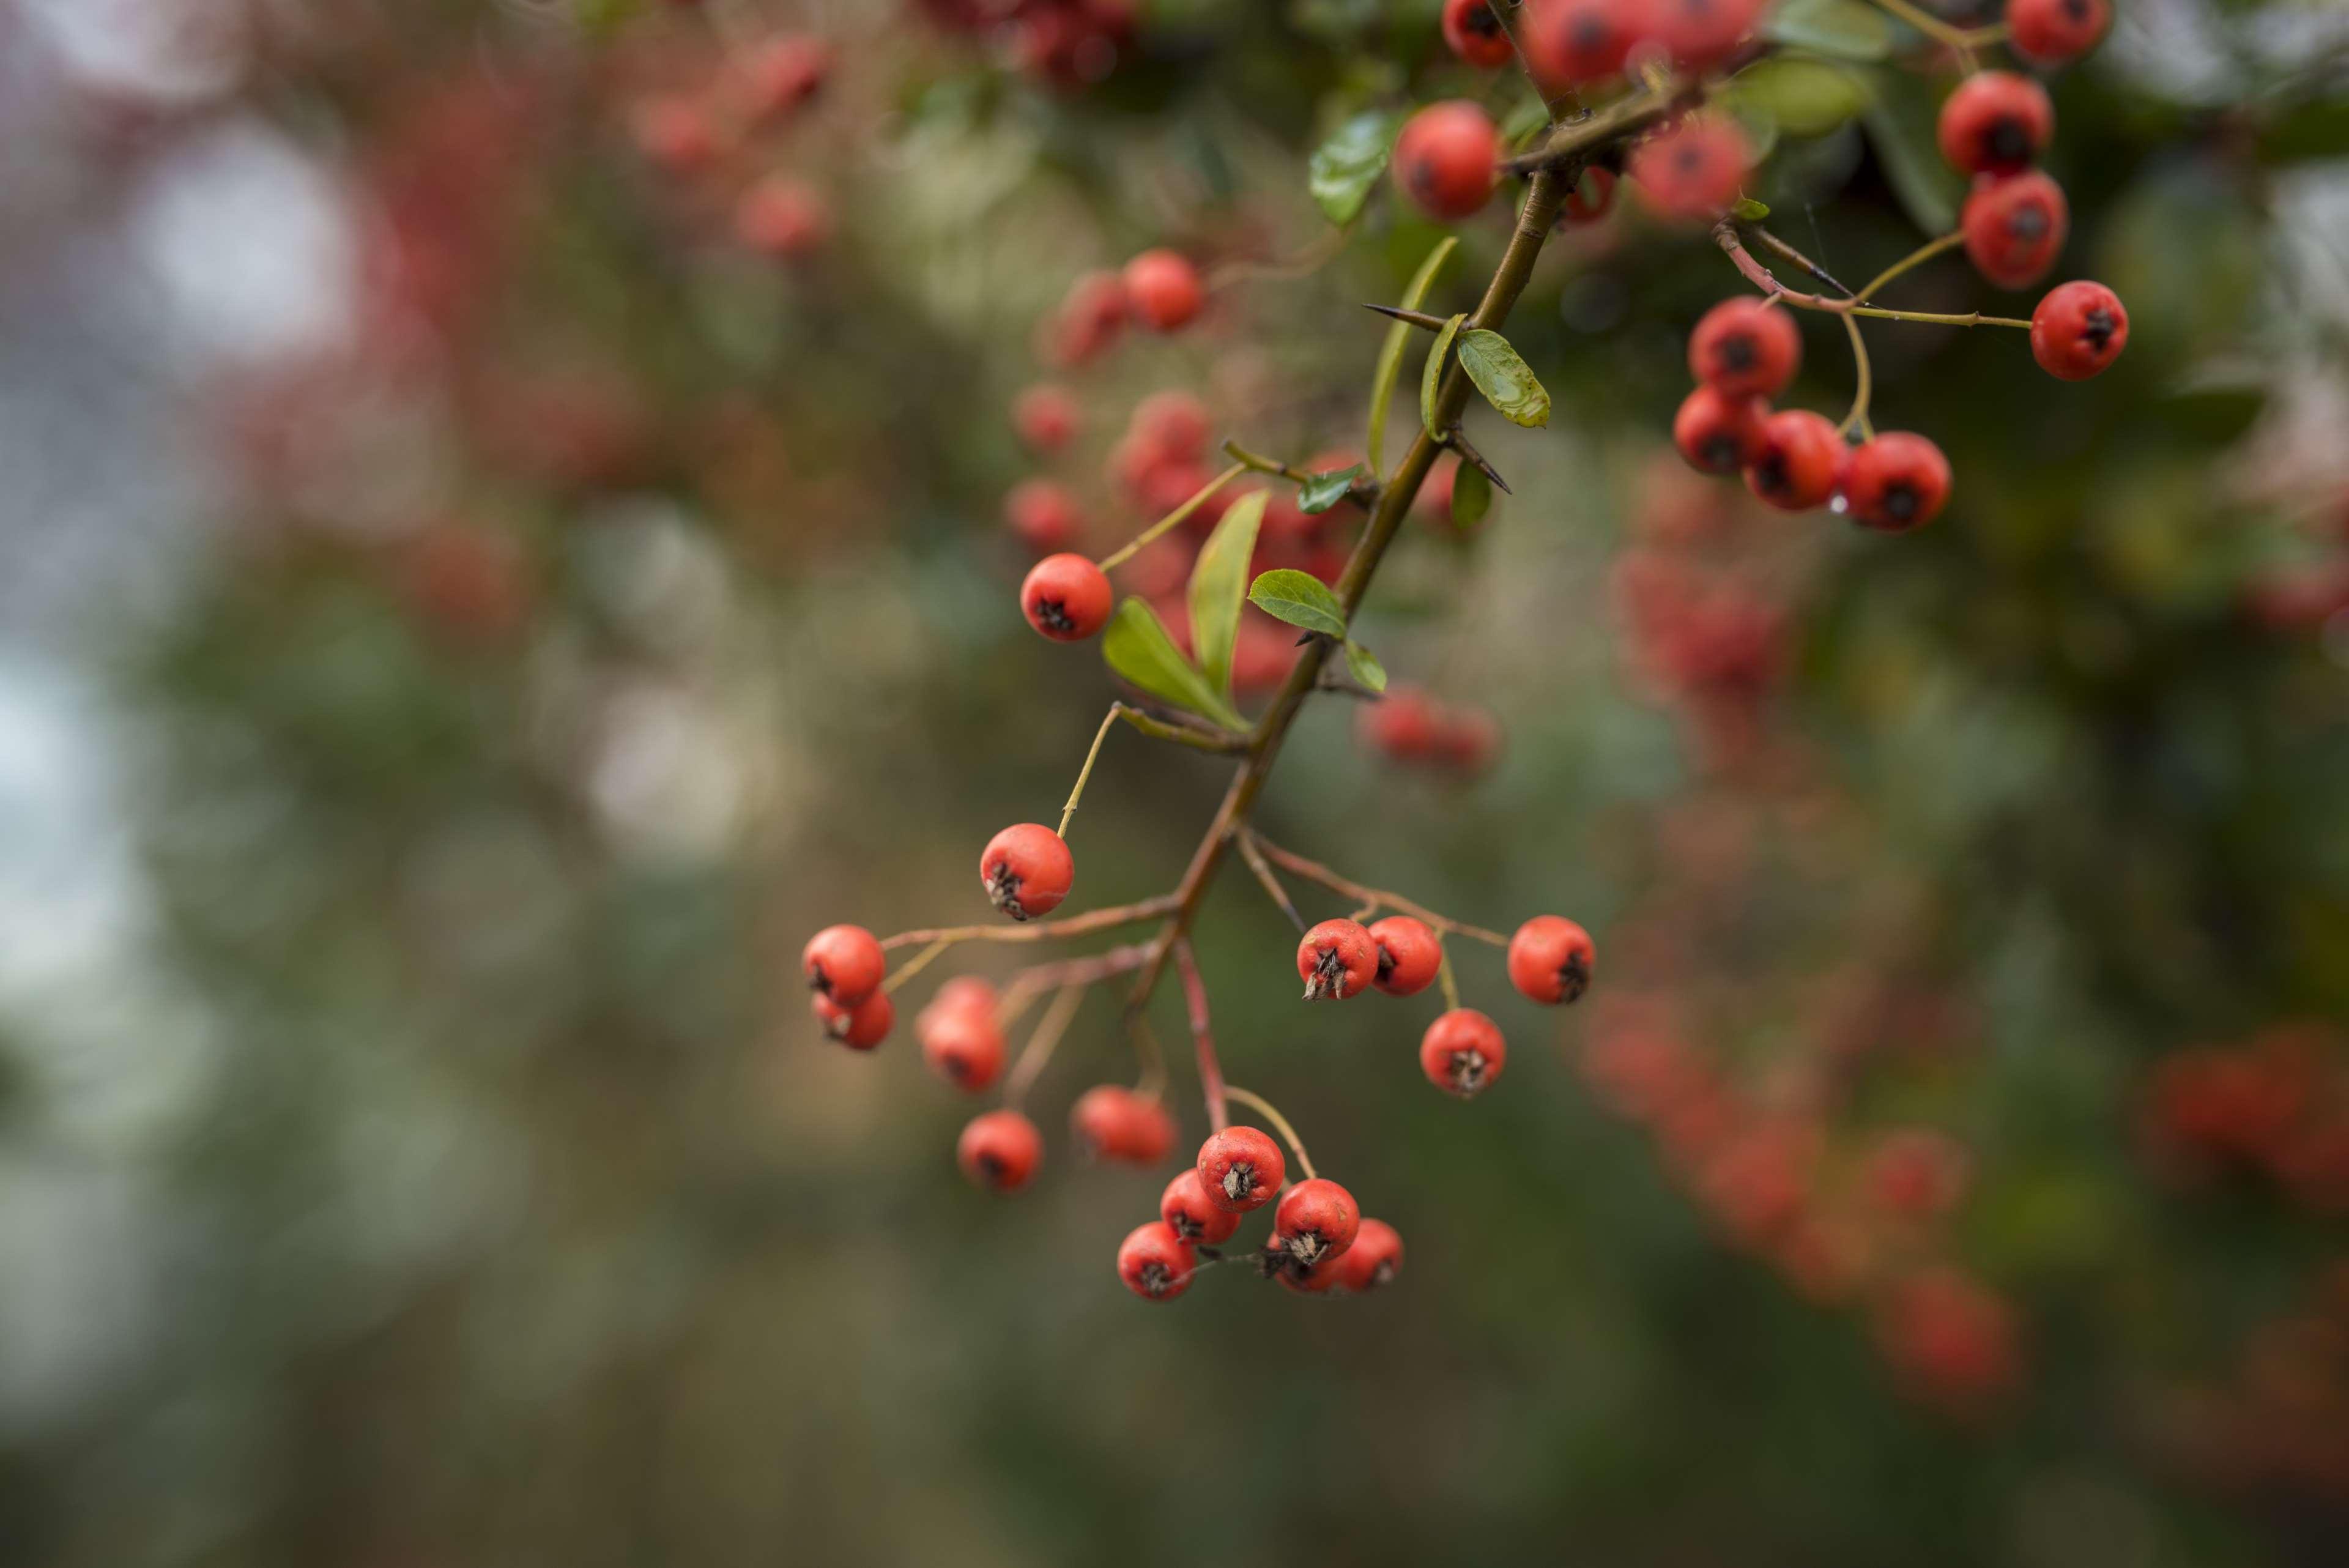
[
  {"x": 1257, "y": 463},
  {"x": 915, "y": 965},
  {"x": 1265, "y": 1108},
  {"x": 1085, "y": 772},
  {"x": 1915, "y": 258},
  {"x": 1041, "y": 1044},
  {"x": 1865, "y": 388},
  {"x": 1119, "y": 557},
  {"x": 1447, "y": 979},
  {"x": 1934, "y": 27}
]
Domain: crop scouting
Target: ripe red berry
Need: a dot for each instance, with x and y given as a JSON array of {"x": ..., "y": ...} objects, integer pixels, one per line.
[
  {"x": 859, "y": 1026},
  {"x": 1314, "y": 1222},
  {"x": 1373, "y": 1260},
  {"x": 1443, "y": 161},
  {"x": 1700, "y": 33},
  {"x": 1042, "y": 514},
  {"x": 1154, "y": 1263},
  {"x": 1896, "y": 482},
  {"x": 1171, "y": 424},
  {"x": 1000, "y": 1150},
  {"x": 1336, "y": 959},
  {"x": 1550, "y": 959},
  {"x": 1090, "y": 316},
  {"x": 962, "y": 1046},
  {"x": 2016, "y": 227},
  {"x": 1403, "y": 725},
  {"x": 1027, "y": 870},
  {"x": 1409, "y": 955},
  {"x": 1800, "y": 462},
  {"x": 1319, "y": 1280},
  {"x": 782, "y": 74},
  {"x": 1693, "y": 170},
  {"x": 1241, "y": 1168},
  {"x": 782, "y": 217},
  {"x": 1719, "y": 434},
  {"x": 1745, "y": 348},
  {"x": 675, "y": 133},
  {"x": 1193, "y": 1215},
  {"x": 1474, "y": 33},
  {"x": 2078, "y": 331},
  {"x": 2053, "y": 32},
  {"x": 1163, "y": 290},
  {"x": 1573, "y": 43},
  {"x": 1046, "y": 416},
  {"x": 1110, "y": 1121},
  {"x": 964, "y": 994},
  {"x": 1589, "y": 199},
  {"x": 1462, "y": 1051},
  {"x": 1066, "y": 598},
  {"x": 844, "y": 964},
  {"x": 1997, "y": 122}
]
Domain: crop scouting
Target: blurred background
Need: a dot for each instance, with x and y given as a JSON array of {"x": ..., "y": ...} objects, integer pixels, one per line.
[{"x": 504, "y": 534}]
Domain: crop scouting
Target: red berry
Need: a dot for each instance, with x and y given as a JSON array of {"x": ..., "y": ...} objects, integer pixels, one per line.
[
  {"x": 1193, "y": 1215},
  {"x": 1027, "y": 870},
  {"x": 1319, "y": 1280},
  {"x": 1997, "y": 122},
  {"x": 1745, "y": 348},
  {"x": 964, "y": 994},
  {"x": 1401, "y": 726},
  {"x": 1592, "y": 195},
  {"x": 1409, "y": 955},
  {"x": 1468, "y": 740},
  {"x": 2078, "y": 331},
  {"x": 1042, "y": 514},
  {"x": 783, "y": 74},
  {"x": 1693, "y": 170},
  {"x": 1719, "y": 434},
  {"x": 1462, "y": 1051},
  {"x": 2016, "y": 227},
  {"x": 2053, "y": 32},
  {"x": 1918, "y": 1172},
  {"x": 1171, "y": 424},
  {"x": 1800, "y": 462},
  {"x": 1474, "y": 33},
  {"x": 1375, "y": 1258},
  {"x": 1443, "y": 161},
  {"x": 1700, "y": 32},
  {"x": 1154, "y": 1263},
  {"x": 861, "y": 1026},
  {"x": 1109, "y": 1121},
  {"x": 1573, "y": 43},
  {"x": 1336, "y": 959},
  {"x": 963, "y": 1047},
  {"x": 1090, "y": 316},
  {"x": 1163, "y": 290},
  {"x": 1896, "y": 482},
  {"x": 1241, "y": 1168},
  {"x": 1314, "y": 1222},
  {"x": 675, "y": 133},
  {"x": 1551, "y": 959},
  {"x": 844, "y": 964},
  {"x": 782, "y": 217},
  {"x": 999, "y": 1149},
  {"x": 1066, "y": 598},
  {"x": 1046, "y": 417}
]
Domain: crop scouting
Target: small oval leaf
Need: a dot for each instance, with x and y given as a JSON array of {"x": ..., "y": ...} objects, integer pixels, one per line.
[
  {"x": 1345, "y": 168},
  {"x": 1136, "y": 646},
  {"x": 1508, "y": 382},
  {"x": 1390, "y": 370},
  {"x": 1472, "y": 495},
  {"x": 1324, "y": 491},
  {"x": 1368, "y": 672},
  {"x": 1219, "y": 586},
  {"x": 1431, "y": 376},
  {"x": 1300, "y": 598}
]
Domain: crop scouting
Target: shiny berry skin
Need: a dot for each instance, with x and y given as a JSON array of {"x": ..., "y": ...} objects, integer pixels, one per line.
[
  {"x": 1066, "y": 598},
  {"x": 1573, "y": 43},
  {"x": 1997, "y": 122},
  {"x": 1163, "y": 290},
  {"x": 1700, "y": 32},
  {"x": 844, "y": 964},
  {"x": 1462, "y": 1051},
  {"x": 1373, "y": 1260},
  {"x": 1314, "y": 1222},
  {"x": 1443, "y": 161},
  {"x": 1745, "y": 348},
  {"x": 1336, "y": 959},
  {"x": 999, "y": 1150},
  {"x": 2053, "y": 32},
  {"x": 1154, "y": 1263},
  {"x": 1409, "y": 955},
  {"x": 1027, "y": 870},
  {"x": 2016, "y": 227},
  {"x": 859, "y": 1027},
  {"x": 1896, "y": 482},
  {"x": 2078, "y": 331},
  {"x": 1801, "y": 460},
  {"x": 1474, "y": 33},
  {"x": 1718, "y": 434},
  {"x": 1194, "y": 1217},
  {"x": 1046, "y": 416},
  {"x": 1550, "y": 959},
  {"x": 1589, "y": 199},
  {"x": 1693, "y": 170},
  {"x": 1110, "y": 1122},
  {"x": 964, "y": 1047},
  {"x": 1042, "y": 514},
  {"x": 1241, "y": 1170}
]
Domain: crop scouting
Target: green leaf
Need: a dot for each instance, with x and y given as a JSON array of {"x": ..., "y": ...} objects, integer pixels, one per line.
[
  {"x": 1389, "y": 369},
  {"x": 1749, "y": 211},
  {"x": 2319, "y": 128},
  {"x": 1529, "y": 118},
  {"x": 1324, "y": 491},
  {"x": 1431, "y": 376},
  {"x": 1369, "y": 673},
  {"x": 1805, "y": 97},
  {"x": 1508, "y": 382},
  {"x": 1472, "y": 495},
  {"x": 1219, "y": 586},
  {"x": 1137, "y": 648},
  {"x": 1901, "y": 128},
  {"x": 1846, "y": 29},
  {"x": 1300, "y": 598},
  {"x": 1344, "y": 168}
]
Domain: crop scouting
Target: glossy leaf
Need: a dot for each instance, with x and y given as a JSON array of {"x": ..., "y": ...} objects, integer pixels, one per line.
[
  {"x": 1219, "y": 587},
  {"x": 1803, "y": 97},
  {"x": 1368, "y": 672},
  {"x": 1324, "y": 491},
  {"x": 1845, "y": 29},
  {"x": 1500, "y": 373},
  {"x": 1345, "y": 168},
  {"x": 1430, "y": 375},
  {"x": 1136, "y": 646},
  {"x": 1901, "y": 130},
  {"x": 1300, "y": 598},
  {"x": 1472, "y": 495},
  {"x": 1390, "y": 368}
]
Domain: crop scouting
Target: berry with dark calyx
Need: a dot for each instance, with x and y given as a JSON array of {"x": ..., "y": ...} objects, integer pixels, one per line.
[
  {"x": 1476, "y": 35},
  {"x": 1698, "y": 34},
  {"x": 1066, "y": 598},
  {"x": 1154, "y": 1263},
  {"x": 1194, "y": 1215},
  {"x": 1691, "y": 172},
  {"x": 844, "y": 964},
  {"x": 1592, "y": 196},
  {"x": 1241, "y": 1170},
  {"x": 1996, "y": 123},
  {"x": 1046, "y": 416},
  {"x": 1550, "y": 959},
  {"x": 1444, "y": 160},
  {"x": 1043, "y": 514},
  {"x": 2016, "y": 227},
  {"x": 1745, "y": 348},
  {"x": 1462, "y": 1051},
  {"x": 859, "y": 1026},
  {"x": 1314, "y": 1222},
  {"x": 1897, "y": 481},
  {"x": 1163, "y": 290},
  {"x": 1373, "y": 1260},
  {"x": 1336, "y": 959},
  {"x": 1409, "y": 955},
  {"x": 1719, "y": 434},
  {"x": 1110, "y": 1122},
  {"x": 963, "y": 1047},
  {"x": 2054, "y": 32},
  {"x": 1027, "y": 870},
  {"x": 1801, "y": 460},
  {"x": 1573, "y": 43},
  {"x": 1319, "y": 1280},
  {"x": 999, "y": 1150},
  {"x": 2078, "y": 331}
]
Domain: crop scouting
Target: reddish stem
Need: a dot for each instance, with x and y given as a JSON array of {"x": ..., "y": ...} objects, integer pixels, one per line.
[{"x": 1211, "y": 1070}]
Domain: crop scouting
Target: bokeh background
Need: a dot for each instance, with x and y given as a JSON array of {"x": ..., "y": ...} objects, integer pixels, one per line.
[{"x": 471, "y": 602}]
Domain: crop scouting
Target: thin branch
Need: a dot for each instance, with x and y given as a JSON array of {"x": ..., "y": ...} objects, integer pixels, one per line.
[
  {"x": 1041, "y": 930},
  {"x": 1806, "y": 262},
  {"x": 1761, "y": 278},
  {"x": 1279, "y": 895},
  {"x": 1203, "y": 1038},
  {"x": 1864, "y": 387},
  {"x": 1041, "y": 1044},
  {"x": 915, "y": 965},
  {"x": 1266, "y": 1109},
  {"x": 1314, "y": 871},
  {"x": 1134, "y": 546}
]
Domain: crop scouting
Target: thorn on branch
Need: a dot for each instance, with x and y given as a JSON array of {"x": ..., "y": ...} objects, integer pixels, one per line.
[
  {"x": 1419, "y": 318},
  {"x": 1458, "y": 441}
]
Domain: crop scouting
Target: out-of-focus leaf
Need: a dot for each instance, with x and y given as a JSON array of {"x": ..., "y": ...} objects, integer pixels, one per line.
[
  {"x": 1524, "y": 123},
  {"x": 2315, "y": 129},
  {"x": 1900, "y": 128},
  {"x": 1300, "y": 598},
  {"x": 1847, "y": 30},
  {"x": 1324, "y": 491},
  {"x": 2217, "y": 414},
  {"x": 1749, "y": 211},
  {"x": 1430, "y": 375},
  {"x": 1390, "y": 368},
  {"x": 1803, "y": 98},
  {"x": 1368, "y": 672},
  {"x": 1472, "y": 495},
  {"x": 1502, "y": 374},
  {"x": 1137, "y": 648},
  {"x": 1219, "y": 586},
  {"x": 1344, "y": 168}
]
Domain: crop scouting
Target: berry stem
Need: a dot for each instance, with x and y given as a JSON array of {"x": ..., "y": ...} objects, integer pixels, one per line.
[
  {"x": 1761, "y": 278},
  {"x": 1304, "y": 264},
  {"x": 1203, "y": 1038},
  {"x": 1800, "y": 260},
  {"x": 1954, "y": 38},
  {"x": 1027, "y": 984},
  {"x": 1039, "y": 1049},
  {"x": 1266, "y": 1109},
  {"x": 1134, "y": 546},
  {"x": 1255, "y": 858},
  {"x": 1314, "y": 871},
  {"x": 1864, "y": 387},
  {"x": 1042, "y": 931},
  {"x": 1915, "y": 258},
  {"x": 1447, "y": 979},
  {"x": 915, "y": 965},
  {"x": 1218, "y": 741},
  {"x": 1152, "y": 1081}
]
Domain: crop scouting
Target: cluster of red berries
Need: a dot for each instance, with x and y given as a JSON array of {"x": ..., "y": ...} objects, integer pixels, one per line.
[
  {"x": 1063, "y": 43},
  {"x": 1410, "y": 726},
  {"x": 713, "y": 130},
  {"x": 2276, "y": 1105},
  {"x": 1159, "y": 289}
]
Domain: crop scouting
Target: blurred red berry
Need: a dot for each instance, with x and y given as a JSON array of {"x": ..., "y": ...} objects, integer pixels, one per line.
[
  {"x": 1896, "y": 482},
  {"x": 963, "y": 1047},
  {"x": 1691, "y": 172},
  {"x": 1444, "y": 160},
  {"x": 859, "y": 1027},
  {"x": 999, "y": 1150},
  {"x": 1046, "y": 416},
  {"x": 1042, "y": 514},
  {"x": 1574, "y": 43},
  {"x": 1110, "y": 1122},
  {"x": 1476, "y": 35},
  {"x": 2015, "y": 226},
  {"x": 1996, "y": 123},
  {"x": 1800, "y": 461},
  {"x": 2054, "y": 32},
  {"x": 1373, "y": 1260},
  {"x": 1745, "y": 348},
  {"x": 1163, "y": 290},
  {"x": 1698, "y": 34},
  {"x": 1592, "y": 196},
  {"x": 1719, "y": 434},
  {"x": 782, "y": 217}
]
